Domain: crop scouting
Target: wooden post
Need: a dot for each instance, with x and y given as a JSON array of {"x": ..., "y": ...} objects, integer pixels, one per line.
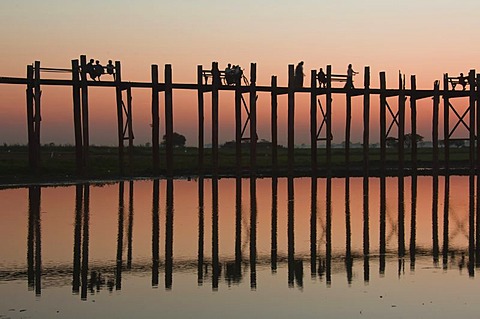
[
  {"x": 84, "y": 106},
  {"x": 274, "y": 125},
  {"x": 37, "y": 117},
  {"x": 436, "y": 107},
  {"x": 253, "y": 118},
  {"x": 169, "y": 119},
  {"x": 130, "y": 129},
  {"x": 291, "y": 118},
  {"x": 77, "y": 116},
  {"x": 155, "y": 121},
  {"x": 329, "y": 120},
  {"x": 215, "y": 86},
  {"x": 471, "y": 80},
  {"x": 118, "y": 80},
  {"x": 30, "y": 126},
  {"x": 383, "y": 124},
  {"x": 477, "y": 213},
  {"x": 201, "y": 119},
  {"x": 401, "y": 124},
  {"x": 348, "y": 125},
  {"x": 313, "y": 122},
  {"x": 238, "y": 125},
  {"x": 413, "y": 119},
  {"x": 446, "y": 122},
  {"x": 366, "y": 121}
]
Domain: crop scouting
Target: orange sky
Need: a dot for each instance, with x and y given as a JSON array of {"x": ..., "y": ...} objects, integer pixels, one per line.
[{"x": 426, "y": 39}]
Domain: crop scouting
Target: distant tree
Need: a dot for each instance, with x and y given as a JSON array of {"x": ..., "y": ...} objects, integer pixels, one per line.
[
  {"x": 178, "y": 140},
  {"x": 408, "y": 139},
  {"x": 457, "y": 143},
  {"x": 391, "y": 142}
]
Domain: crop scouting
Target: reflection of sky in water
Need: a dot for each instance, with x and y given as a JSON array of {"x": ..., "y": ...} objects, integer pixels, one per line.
[{"x": 409, "y": 289}]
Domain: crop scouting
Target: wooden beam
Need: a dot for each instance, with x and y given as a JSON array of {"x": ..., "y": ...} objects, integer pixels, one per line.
[
  {"x": 328, "y": 114},
  {"x": 37, "y": 117},
  {"x": 313, "y": 122},
  {"x": 130, "y": 129},
  {"x": 201, "y": 119},
  {"x": 30, "y": 121},
  {"x": 155, "y": 121},
  {"x": 118, "y": 90},
  {"x": 169, "y": 119},
  {"x": 77, "y": 116},
  {"x": 401, "y": 124},
  {"x": 383, "y": 124},
  {"x": 291, "y": 118},
  {"x": 215, "y": 87},
  {"x": 446, "y": 123},
  {"x": 472, "y": 138},
  {"x": 274, "y": 121},
  {"x": 366, "y": 121},
  {"x": 436, "y": 107},
  {"x": 253, "y": 119},
  {"x": 238, "y": 126},
  {"x": 84, "y": 100},
  {"x": 413, "y": 120}
]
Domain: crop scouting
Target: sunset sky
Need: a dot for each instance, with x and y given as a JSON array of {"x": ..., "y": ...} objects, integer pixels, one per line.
[{"x": 422, "y": 37}]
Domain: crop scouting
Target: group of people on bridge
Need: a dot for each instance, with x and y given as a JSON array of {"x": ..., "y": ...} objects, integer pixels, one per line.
[
  {"x": 96, "y": 70},
  {"x": 233, "y": 74},
  {"x": 322, "y": 77}
]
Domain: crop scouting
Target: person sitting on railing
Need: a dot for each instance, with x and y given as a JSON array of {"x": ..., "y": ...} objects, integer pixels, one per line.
[
  {"x": 98, "y": 69},
  {"x": 90, "y": 69},
  {"x": 230, "y": 74},
  {"x": 462, "y": 80},
  {"x": 322, "y": 78},
  {"x": 110, "y": 68}
]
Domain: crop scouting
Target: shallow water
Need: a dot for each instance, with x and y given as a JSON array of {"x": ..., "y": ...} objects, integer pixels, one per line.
[{"x": 374, "y": 248}]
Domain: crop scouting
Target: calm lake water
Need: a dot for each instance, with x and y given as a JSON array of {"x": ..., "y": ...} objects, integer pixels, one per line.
[{"x": 241, "y": 248}]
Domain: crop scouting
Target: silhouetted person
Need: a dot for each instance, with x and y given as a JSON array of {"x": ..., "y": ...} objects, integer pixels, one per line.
[
  {"x": 350, "y": 74},
  {"x": 89, "y": 68},
  {"x": 322, "y": 78},
  {"x": 462, "y": 80},
  {"x": 110, "y": 68},
  {"x": 237, "y": 73},
  {"x": 229, "y": 74},
  {"x": 299, "y": 75},
  {"x": 98, "y": 69}
]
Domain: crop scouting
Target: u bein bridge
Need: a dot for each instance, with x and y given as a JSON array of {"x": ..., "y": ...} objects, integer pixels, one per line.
[
  {"x": 322, "y": 260},
  {"x": 320, "y": 130}
]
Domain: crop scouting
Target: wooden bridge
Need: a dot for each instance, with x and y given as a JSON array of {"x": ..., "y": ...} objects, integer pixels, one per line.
[{"x": 469, "y": 119}]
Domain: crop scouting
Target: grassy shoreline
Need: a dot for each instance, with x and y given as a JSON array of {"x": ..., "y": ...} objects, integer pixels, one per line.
[{"x": 58, "y": 163}]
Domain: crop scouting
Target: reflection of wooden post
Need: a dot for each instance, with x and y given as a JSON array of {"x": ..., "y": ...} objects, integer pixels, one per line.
[
  {"x": 291, "y": 231},
  {"x": 85, "y": 241},
  {"x": 201, "y": 230},
  {"x": 401, "y": 124},
  {"x": 446, "y": 122},
  {"x": 273, "y": 248},
  {"x": 328, "y": 230},
  {"x": 253, "y": 118},
  {"x": 130, "y": 225},
  {"x": 413, "y": 114},
  {"x": 329, "y": 119},
  {"x": 121, "y": 217},
  {"x": 169, "y": 236},
  {"x": 383, "y": 217},
  {"x": 77, "y": 116},
  {"x": 413, "y": 222},
  {"x": 383, "y": 125},
  {"x": 435, "y": 243},
  {"x": 313, "y": 122},
  {"x": 201, "y": 118},
  {"x": 215, "y": 86},
  {"x": 155, "y": 121},
  {"x": 169, "y": 119},
  {"x": 446, "y": 221},
  {"x": 155, "y": 232},
  {"x": 274, "y": 125},
  {"x": 313, "y": 227},
  {"x": 77, "y": 238},
  {"x": 366, "y": 230},
  {"x": 84, "y": 106},
  {"x": 238, "y": 222},
  {"x": 215, "y": 257},
  {"x": 253, "y": 233},
  {"x": 366, "y": 121},
  {"x": 436, "y": 106},
  {"x": 291, "y": 118},
  {"x": 118, "y": 88},
  {"x": 30, "y": 111}
]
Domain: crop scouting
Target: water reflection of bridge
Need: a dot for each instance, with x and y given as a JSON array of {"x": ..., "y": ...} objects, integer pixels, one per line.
[{"x": 212, "y": 269}]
